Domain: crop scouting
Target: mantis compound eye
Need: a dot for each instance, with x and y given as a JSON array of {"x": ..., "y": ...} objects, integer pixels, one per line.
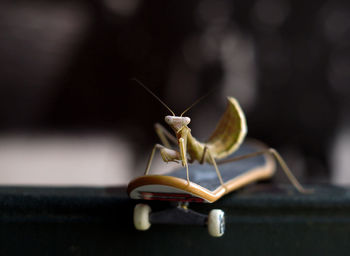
[
  {"x": 187, "y": 120},
  {"x": 167, "y": 119}
]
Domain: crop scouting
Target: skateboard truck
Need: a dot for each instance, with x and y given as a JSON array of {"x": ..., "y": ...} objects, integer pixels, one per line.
[{"x": 144, "y": 218}]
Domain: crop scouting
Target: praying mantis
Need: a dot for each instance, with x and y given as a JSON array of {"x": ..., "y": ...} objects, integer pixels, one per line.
[{"x": 225, "y": 140}]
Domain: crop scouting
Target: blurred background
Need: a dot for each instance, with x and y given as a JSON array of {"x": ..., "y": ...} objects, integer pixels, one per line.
[{"x": 70, "y": 114}]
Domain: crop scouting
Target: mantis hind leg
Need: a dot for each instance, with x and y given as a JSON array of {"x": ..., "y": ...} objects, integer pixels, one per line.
[{"x": 282, "y": 163}]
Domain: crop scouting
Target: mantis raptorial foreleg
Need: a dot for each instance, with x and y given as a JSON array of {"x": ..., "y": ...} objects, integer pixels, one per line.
[
  {"x": 282, "y": 163},
  {"x": 168, "y": 155},
  {"x": 164, "y": 135}
]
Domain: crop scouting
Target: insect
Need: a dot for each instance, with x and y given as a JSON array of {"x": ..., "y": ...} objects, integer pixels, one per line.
[{"x": 225, "y": 140}]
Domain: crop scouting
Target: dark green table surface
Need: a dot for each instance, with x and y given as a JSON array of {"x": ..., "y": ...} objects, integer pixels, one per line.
[{"x": 261, "y": 220}]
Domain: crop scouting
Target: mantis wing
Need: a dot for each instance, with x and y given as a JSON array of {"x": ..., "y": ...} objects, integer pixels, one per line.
[{"x": 230, "y": 132}]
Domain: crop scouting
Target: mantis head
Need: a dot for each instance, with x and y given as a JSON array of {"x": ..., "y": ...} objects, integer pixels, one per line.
[{"x": 177, "y": 122}]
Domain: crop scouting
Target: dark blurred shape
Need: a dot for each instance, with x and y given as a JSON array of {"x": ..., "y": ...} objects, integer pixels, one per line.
[
  {"x": 36, "y": 42},
  {"x": 66, "y": 66}
]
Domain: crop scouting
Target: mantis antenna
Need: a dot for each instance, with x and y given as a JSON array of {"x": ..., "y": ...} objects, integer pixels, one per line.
[
  {"x": 196, "y": 102},
  {"x": 155, "y": 96}
]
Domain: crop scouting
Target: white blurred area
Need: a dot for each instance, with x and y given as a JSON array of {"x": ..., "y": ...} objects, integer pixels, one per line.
[
  {"x": 341, "y": 158},
  {"x": 72, "y": 160},
  {"x": 64, "y": 160},
  {"x": 104, "y": 160}
]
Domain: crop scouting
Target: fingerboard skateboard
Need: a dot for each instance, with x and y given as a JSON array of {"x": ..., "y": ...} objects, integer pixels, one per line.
[{"x": 204, "y": 187}]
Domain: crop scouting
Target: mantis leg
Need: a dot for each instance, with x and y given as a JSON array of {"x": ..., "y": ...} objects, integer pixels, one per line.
[
  {"x": 203, "y": 156},
  {"x": 212, "y": 159},
  {"x": 167, "y": 154},
  {"x": 282, "y": 163},
  {"x": 164, "y": 135},
  {"x": 151, "y": 158},
  {"x": 184, "y": 157}
]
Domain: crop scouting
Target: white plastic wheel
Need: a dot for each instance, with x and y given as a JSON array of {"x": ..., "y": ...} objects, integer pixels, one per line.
[
  {"x": 141, "y": 216},
  {"x": 216, "y": 223}
]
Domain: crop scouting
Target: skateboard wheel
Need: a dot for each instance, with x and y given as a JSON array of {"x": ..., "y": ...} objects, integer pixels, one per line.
[
  {"x": 216, "y": 223},
  {"x": 141, "y": 216}
]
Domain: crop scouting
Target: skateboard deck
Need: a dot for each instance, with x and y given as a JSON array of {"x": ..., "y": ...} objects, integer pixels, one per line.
[{"x": 205, "y": 186}]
